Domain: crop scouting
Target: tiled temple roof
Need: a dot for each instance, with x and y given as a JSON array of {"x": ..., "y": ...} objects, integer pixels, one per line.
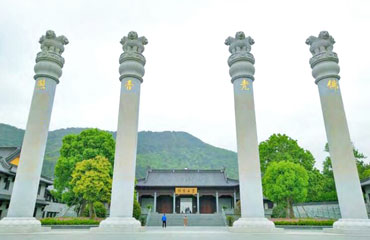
[{"x": 186, "y": 178}]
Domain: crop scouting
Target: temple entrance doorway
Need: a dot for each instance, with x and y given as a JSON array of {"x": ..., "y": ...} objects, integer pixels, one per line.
[{"x": 186, "y": 205}]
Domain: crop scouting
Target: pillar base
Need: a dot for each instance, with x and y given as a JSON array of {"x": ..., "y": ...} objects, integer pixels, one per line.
[
  {"x": 21, "y": 225},
  {"x": 350, "y": 226},
  {"x": 119, "y": 224},
  {"x": 253, "y": 225}
]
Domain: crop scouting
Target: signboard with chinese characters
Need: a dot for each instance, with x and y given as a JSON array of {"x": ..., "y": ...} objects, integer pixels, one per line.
[{"x": 186, "y": 191}]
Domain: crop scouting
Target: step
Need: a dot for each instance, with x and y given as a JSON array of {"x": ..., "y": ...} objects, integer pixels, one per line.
[{"x": 193, "y": 219}]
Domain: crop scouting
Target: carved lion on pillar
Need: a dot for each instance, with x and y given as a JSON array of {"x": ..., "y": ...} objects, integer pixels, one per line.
[
  {"x": 323, "y": 43},
  {"x": 50, "y": 42},
  {"x": 133, "y": 43},
  {"x": 240, "y": 43}
]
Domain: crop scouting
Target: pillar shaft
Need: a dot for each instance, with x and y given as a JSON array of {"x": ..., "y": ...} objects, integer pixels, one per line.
[
  {"x": 33, "y": 149},
  {"x": 325, "y": 70},
  {"x": 241, "y": 63},
  {"x": 241, "y": 71},
  {"x": 341, "y": 152},
  {"x": 131, "y": 72},
  {"x": 125, "y": 155},
  {"x": 48, "y": 70},
  {"x": 248, "y": 158},
  {"x": 198, "y": 203}
]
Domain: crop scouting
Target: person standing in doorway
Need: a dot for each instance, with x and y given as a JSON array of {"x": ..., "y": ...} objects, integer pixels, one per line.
[
  {"x": 164, "y": 221},
  {"x": 185, "y": 221}
]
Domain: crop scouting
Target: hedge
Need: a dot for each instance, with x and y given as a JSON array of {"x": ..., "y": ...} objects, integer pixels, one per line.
[
  {"x": 308, "y": 222},
  {"x": 69, "y": 221}
]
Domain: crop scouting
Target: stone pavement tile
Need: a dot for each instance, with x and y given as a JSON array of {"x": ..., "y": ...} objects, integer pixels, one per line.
[{"x": 180, "y": 233}]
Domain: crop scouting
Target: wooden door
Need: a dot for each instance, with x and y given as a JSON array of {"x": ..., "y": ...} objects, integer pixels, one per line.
[
  {"x": 207, "y": 204},
  {"x": 164, "y": 204}
]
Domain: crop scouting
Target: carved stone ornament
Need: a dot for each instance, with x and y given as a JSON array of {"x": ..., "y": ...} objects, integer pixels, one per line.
[
  {"x": 241, "y": 60},
  {"x": 52, "y": 48},
  {"x": 49, "y": 62},
  {"x": 133, "y": 47},
  {"x": 240, "y": 48},
  {"x": 321, "y": 48},
  {"x": 132, "y": 60}
]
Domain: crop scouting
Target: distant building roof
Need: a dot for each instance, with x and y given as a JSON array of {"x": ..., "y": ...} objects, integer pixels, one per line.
[
  {"x": 186, "y": 178},
  {"x": 7, "y": 155}
]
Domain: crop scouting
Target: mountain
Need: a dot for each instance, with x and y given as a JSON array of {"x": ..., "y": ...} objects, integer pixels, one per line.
[{"x": 165, "y": 150}]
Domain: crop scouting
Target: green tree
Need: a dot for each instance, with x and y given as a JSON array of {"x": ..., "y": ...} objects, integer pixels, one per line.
[
  {"x": 285, "y": 182},
  {"x": 76, "y": 148},
  {"x": 316, "y": 185},
  {"x": 92, "y": 182},
  {"x": 362, "y": 167},
  {"x": 329, "y": 191},
  {"x": 280, "y": 147}
]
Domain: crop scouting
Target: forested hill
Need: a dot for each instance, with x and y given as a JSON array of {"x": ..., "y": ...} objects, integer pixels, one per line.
[{"x": 166, "y": 150}]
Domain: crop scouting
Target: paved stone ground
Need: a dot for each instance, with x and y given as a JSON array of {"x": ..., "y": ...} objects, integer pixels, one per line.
[{"x": 180, "y": 233}]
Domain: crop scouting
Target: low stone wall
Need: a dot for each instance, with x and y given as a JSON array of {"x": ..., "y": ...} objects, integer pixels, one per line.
[{"x": 317, "y": 210}]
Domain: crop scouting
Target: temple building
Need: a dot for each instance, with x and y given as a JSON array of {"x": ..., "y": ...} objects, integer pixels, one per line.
[{"x": 189, "y": 191}]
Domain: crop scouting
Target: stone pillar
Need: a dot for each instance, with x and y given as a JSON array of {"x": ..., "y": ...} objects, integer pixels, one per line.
[
  {"x": 198, "y": 204},
  {"x": 325, "y": 70},
  {"x": 174, "y": 203},
  {"x": 131, "y": 72},
  {"x": 217, "y": 207},
  {"x": 48, "y": 69},
  {"x": 241, "y": 71},
  {"x": 155, "y": 202}
]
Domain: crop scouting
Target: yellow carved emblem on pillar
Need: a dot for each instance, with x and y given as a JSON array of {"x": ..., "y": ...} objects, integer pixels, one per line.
[
  {"x": 129, "y": 85},
  {"x": 41, "y": 84},
  {"x": 333, "y": 84},
  {"x": 244, "y": 85}
]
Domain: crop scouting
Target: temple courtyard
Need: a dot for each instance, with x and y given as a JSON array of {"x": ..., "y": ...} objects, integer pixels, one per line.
[{"x": 179, "y": 233}]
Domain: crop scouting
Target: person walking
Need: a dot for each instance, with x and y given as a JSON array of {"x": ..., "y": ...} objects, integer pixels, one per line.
[
  {"x": 185, "y": 221},
  {"x": 164, "y": 221}
]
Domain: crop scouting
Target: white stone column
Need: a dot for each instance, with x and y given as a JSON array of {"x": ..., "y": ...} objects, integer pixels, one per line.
[
  {"x": 131, "y": 70},
  {"x": 325, "y": 70},
  {"x": 198, "y": 204},
  {"x": 217, "y": 207},
  {"x": 241, "y": 71},
  {"x": 174, "y": 203},
  {"x": 48, "y": 69}
]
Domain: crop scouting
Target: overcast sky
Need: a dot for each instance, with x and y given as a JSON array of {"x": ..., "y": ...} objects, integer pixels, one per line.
[{"x": 187, "y": 85}]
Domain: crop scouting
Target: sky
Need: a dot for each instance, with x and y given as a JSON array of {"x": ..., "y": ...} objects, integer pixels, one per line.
[{"x": 187, "y": 86}]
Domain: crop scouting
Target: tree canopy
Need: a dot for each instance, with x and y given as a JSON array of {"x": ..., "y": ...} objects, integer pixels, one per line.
[
  {"x": 91, "y": 181},
  {"x": 285, "y": 182},
  {"x": 88, "y": 144},
  {"x": 280, "y": 147}
]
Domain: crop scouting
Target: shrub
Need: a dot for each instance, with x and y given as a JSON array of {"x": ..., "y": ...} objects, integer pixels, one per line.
[
  {"x": 143, "y": 220},
  {"x": 279, "y": 211},
  {"x": 307, "y": 222},
  {"x": 69, "y": 221},
  {"x": 230, "y": 220},
  {"x": 100, "y": 210},
  {"x": 137, "y": 210}
]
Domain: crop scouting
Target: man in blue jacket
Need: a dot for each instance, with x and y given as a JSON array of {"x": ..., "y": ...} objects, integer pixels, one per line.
[{"x": 164, "y": 220}]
